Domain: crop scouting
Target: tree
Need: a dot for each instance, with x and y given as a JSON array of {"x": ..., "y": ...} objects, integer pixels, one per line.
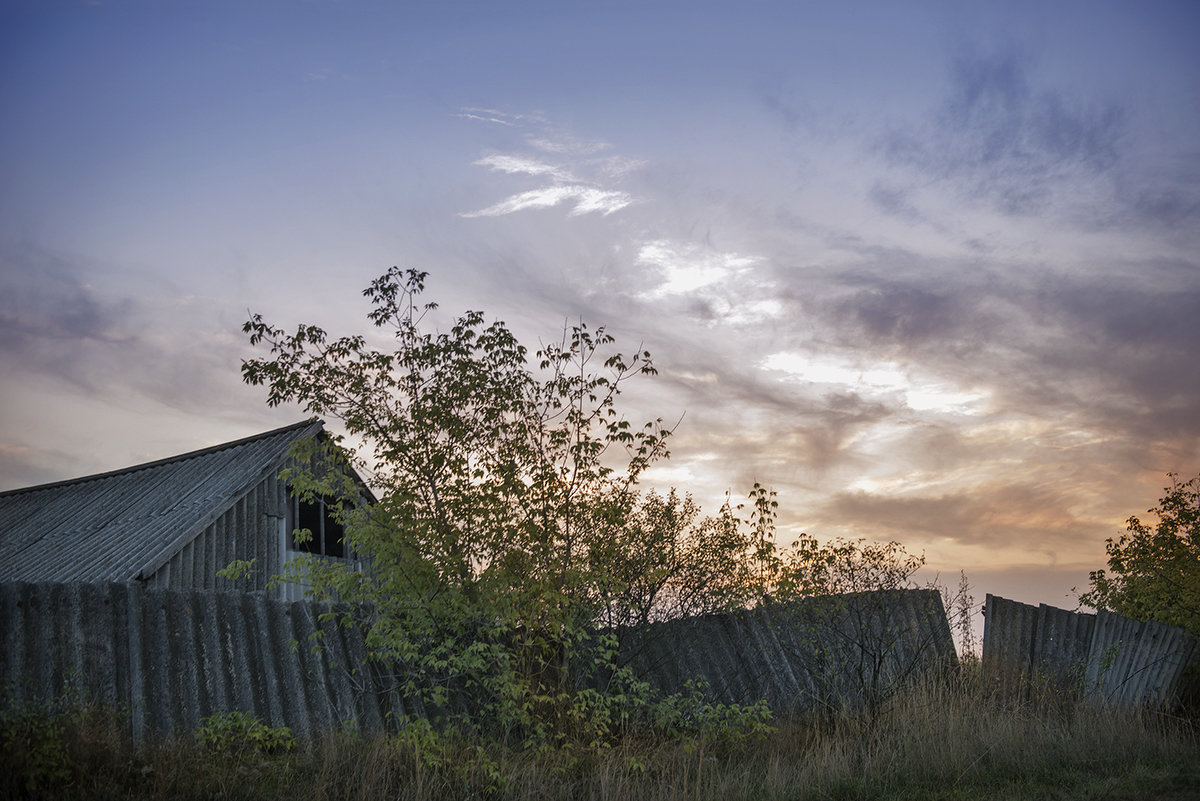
[
  {"x": 860, "y": 653},
  {"x": 664, "y": 561},
  {"x": 510, "y": 526},
  {"x": 1154, "y": 570},
  {"x": 511, "y": 544},
  {"x": 835, "y": 610}
]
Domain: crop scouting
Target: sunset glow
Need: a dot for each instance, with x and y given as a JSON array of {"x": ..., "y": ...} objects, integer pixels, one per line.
[{"x": 931, "y": 272}]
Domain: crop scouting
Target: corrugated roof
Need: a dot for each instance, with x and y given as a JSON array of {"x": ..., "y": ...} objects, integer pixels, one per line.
[{"x": 119, "y": 525}]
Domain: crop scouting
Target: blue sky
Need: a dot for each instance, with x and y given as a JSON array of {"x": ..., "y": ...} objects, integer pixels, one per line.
[{"x": 930, "y": 269}]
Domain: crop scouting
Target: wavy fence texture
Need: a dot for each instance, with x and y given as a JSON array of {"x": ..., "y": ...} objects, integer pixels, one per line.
[
  {"x": 827, "y": 652},
  {"x": 169, "y": 658},
  {"x": 1108, "y": 658}
]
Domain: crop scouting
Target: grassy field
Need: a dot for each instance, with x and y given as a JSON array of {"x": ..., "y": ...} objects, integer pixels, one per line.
[{"x": 940, "y": 741}]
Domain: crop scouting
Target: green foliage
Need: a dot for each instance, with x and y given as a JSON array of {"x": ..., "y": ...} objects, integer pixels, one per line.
[
  {"x": 505, "y": 487},
  {"x": 688, "y": 715},
  {"x": 935, "y": 742},
  {"x": 52, "y": 749},
  {"x": 1154, "y": 569},
  {"x": 240, "y": 733},
  {"x": 664, "y": 561},
  {"x": 35, "y": 747},
  {"x": 811, "y": 568},
  {"x": 237, "y": 569},
  {"x": 511, "y": 540}
]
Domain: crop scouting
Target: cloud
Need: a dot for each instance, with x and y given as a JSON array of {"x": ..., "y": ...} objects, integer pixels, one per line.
[
  {"x": 913, "y": 312},
  {"x": 586, "y": 200},
  {"x": 1109, "y": 350},
  {"x": 896, "y": 202},
  {"x": 49, "y": 318},
  {"x": 566, "y": 144},
  {"x": 706, "y": 285},
  {"x": 1162, "y": 187},
  {"x": 58, "y": 310},
  {"x": 24, "y": 466},
  {"x": 998, "y": 138},
  {"x": 1123, "y": 353},
  {"x": 994, "y": 515},
  {"x": 151, "y": 343},
  {"x": 686, "y": 267},
  {"x": 577, "y": 179},
  {"x": 916, "y": 391},
  {"x": 518, "y": 165},
  {"x": 495, "y": 117}
]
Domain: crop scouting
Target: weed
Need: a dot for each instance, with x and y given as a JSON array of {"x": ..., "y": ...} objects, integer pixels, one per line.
[
  {"x": 939, "y": 739},
  {"x": 241, "y": 733}
]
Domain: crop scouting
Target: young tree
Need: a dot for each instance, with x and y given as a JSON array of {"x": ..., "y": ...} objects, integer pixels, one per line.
[
  {"x": 1154, "y": 569},
  {"x": 510, "y": 542},
  {"x": 499, "y": 482},
  {"x": 860, "y": 653},
  {"x": 666, "y": 562}
]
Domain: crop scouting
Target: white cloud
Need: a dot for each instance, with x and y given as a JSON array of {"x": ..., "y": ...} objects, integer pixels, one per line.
[
  {"x": 754, "y": 311},
  {"x": 605, "y": 202},
  {"x": 493, "y": 116},
  {"x": 587, "y": 199},
  {"x": 919, "y": 393},
  {"x": 514, "y": 165},
  {"x": 616, "y": 167},
  {"x": 687, "y": 268},
  {"x": 577, "y": 177},
  {"x": 567, "y": 144}
]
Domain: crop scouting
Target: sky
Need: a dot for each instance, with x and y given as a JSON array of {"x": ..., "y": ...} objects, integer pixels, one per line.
[{"x": 929, "y": 270}]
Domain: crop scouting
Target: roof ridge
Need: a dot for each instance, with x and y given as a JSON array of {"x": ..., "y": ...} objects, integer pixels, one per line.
[{"x": 312, "y": 421}]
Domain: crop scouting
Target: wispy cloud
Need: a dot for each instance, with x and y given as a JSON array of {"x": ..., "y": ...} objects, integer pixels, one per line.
[
  {"x": 585, "y": 199},
  {"x": 990, "y": 514},
  {"x": 578, "y": 179},
  {"x": 998, "y": 138},
  {"x": 494, "y": 117},
  {"x": 57, "y": 327},
  {"x": 520, "y": 165}
]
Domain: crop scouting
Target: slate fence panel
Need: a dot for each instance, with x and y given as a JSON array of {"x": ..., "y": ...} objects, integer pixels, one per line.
[
  {"x": 830, "y": 652},
  {"x": 166, "y": 658},
  {"x": 1108, "y": 658}
]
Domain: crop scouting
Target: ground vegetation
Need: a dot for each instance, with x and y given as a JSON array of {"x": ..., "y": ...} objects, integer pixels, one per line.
[{"x": 942, "y": 739}]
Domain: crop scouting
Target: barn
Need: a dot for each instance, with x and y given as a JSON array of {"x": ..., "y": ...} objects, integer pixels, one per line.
[{"x": 172, "y": 523}]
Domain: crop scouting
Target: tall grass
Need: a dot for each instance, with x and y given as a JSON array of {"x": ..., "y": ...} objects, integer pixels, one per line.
[{"x": 939, "y": 740}]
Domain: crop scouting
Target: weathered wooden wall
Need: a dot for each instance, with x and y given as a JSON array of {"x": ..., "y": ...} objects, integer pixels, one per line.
[{"x": 1105, "y": 657}]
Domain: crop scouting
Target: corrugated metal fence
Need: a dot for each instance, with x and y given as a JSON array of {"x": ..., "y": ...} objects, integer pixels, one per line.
[
  {"x": 169, "y": 658},
  {"x": 1108, "y": 658},
  {"x": 827, "y": 652}
]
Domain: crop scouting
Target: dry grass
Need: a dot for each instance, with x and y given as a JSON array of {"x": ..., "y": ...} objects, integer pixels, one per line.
[{"x": 941, "y": 741}]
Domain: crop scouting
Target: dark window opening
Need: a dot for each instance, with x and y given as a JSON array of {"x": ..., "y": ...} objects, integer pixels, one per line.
[{"x": 315, "y": 515}]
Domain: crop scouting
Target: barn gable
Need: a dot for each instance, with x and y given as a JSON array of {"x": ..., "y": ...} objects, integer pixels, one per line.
[{"x": 173, "y": 522}]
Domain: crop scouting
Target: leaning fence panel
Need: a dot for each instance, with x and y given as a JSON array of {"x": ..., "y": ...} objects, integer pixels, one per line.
[{"x": 1106, "y": 658}]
